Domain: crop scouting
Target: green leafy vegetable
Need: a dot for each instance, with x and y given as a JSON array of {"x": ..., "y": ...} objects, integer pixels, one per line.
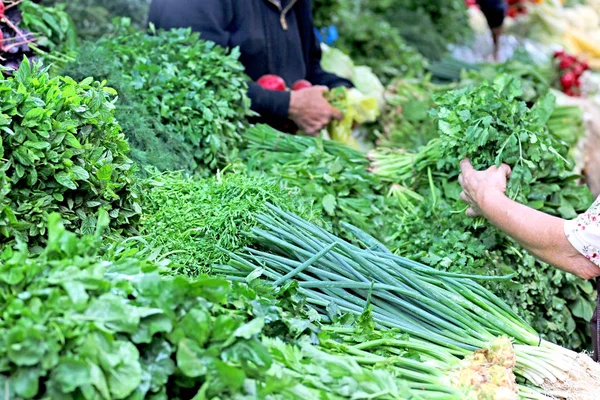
[
  {"x": 190, "y": 93},
  {"x": 62, "y": 151},
  {"x": 194, "y": 220}
]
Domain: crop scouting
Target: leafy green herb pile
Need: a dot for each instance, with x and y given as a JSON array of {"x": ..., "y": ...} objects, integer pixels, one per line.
[
  {"x": 196, "y": 220},
  {"x": 370, "y": 40},
  {"x": 80, "y": 320},
  {"x": 335, "y": 176},
  {"x": 62, "y": 151},
  {"x": 193, "y": 92},
  {"x": 143, "y": 129},
  {"x": 78, "y": 325},
  {"x": 490, "y": 124},
  {"x": 428, "y": 25},
  {"x": 487, "y": 125}
]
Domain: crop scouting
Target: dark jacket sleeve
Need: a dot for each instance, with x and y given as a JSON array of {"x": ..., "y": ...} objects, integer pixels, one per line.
[
  {"x": 269, "y": 103},
  {"x": 494, "y": 11}
]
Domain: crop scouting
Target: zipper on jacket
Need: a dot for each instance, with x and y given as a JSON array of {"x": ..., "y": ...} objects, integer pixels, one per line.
[{"x": 283, "y": 12}]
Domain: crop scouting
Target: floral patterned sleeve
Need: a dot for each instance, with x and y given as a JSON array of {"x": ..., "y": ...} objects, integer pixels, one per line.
[{"x": 584, "y": 233}]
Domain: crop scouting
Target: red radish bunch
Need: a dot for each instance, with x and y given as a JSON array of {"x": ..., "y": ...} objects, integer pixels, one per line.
[
  {"x": 571, "y": 69},
  {"x": 274, "y": 82}
]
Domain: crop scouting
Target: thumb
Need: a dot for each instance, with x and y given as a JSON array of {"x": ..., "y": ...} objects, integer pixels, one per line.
[
  {"x": 336, "y": 114},
  {"x": 465, "y": 165},
  {"x": 506, "y": 169},
  {"x": 321, "y": 89}
]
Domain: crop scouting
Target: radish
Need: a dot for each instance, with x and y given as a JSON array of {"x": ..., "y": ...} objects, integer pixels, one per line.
[
  {"x": 559, "y": 54},
  {"x": 2, "y": 8},
  {"x": 568, "y": 80},
  {"x": 301, "y": 84},
  {"x": 512, "y": 12},
  {"x": 578, "y": 70},
  {"x": 272, "y": 82},
  {"x": 585, "y": 65},
  {"x": 566, "y": 63}
]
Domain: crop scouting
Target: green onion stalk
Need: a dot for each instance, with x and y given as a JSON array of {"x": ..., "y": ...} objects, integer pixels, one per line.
[
  {"x": 401, "y": 166},
  {"x": 263, "y": 137},
  {"x": 406, "y": 198},
  {"x": 447, "y": 310}
]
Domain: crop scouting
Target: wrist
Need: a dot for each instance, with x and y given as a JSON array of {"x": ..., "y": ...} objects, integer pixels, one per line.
[
  {"x": 293, "y": 107},
  {"x": 490, "y": 200}
]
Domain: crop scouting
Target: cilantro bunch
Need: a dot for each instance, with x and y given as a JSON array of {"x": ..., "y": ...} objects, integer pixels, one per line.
[
  {"x": 62, "y": 151},
  {"x": 490, "y": 126},
  {"x": 193, "y": 92}
]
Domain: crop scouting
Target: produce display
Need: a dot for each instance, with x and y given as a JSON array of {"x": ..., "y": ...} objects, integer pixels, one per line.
[
  {"x": 158, "y": 241},
  {"x": 62, "y": 151},
  {"x": 198, "y": 131}
]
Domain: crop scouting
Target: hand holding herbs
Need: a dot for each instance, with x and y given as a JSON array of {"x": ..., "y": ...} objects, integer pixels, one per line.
[
  {"x": 479, "y": 186},
  {"x": 487, "y": 124},
  {"x": 311, "y": 111}
]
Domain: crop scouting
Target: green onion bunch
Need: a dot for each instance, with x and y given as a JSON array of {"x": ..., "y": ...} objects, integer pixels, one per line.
[{"x": 445, "y": 310}]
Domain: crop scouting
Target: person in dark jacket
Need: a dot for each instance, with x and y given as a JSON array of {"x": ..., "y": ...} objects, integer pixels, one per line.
[
  {"x": 494, "y": 11},
  {"x": 274, "y": 37}
]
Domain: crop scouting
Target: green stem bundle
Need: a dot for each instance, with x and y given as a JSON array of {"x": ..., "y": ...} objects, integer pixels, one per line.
[{"x": 447, "y": 311}]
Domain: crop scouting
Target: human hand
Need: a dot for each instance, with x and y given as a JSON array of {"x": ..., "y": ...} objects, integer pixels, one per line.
[
  {"x": 481, "y": 185},
  {"x": 310, "y": 110}
]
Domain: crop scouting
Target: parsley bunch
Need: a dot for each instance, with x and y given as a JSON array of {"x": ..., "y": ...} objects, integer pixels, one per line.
[
  {"x": 193, "y": 92},
  {"x": 488, "y": 125},
  {"x": 62, "y": 151}
]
